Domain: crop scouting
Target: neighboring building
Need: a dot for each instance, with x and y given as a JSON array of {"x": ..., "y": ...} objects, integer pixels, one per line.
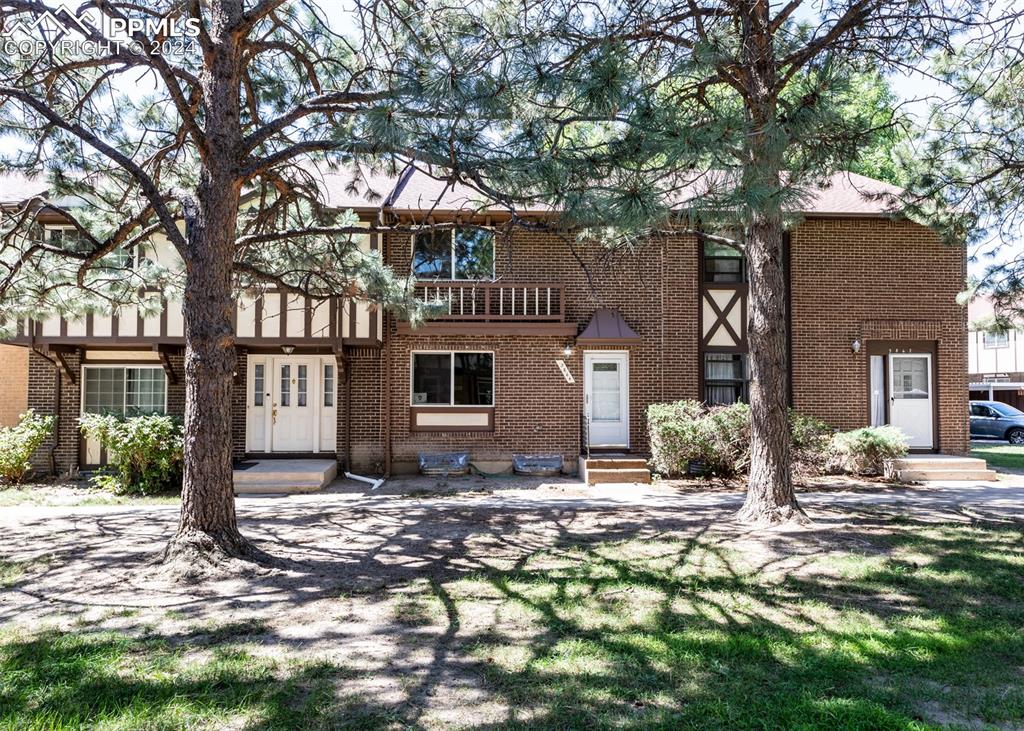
[
  {"x": 538, "y": 354},
  {"x": 13, "y": 384},
  {"x": 995, "y": 358}
]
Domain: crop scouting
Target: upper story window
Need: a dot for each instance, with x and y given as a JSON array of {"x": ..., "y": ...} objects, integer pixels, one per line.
[
  {"x": 723, "y": 263},
  {"x": 462, "y": 253},
  {"x": 69, "y": 238},
  {"x": 453, "y": 379},
  {"x": 994, "y": 340}
]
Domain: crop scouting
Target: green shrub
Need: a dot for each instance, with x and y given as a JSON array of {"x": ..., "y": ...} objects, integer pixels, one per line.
[
  {"x": 675, "y": 435},
  {"x": 686, "y": 432},
  {"x": 718, "y": 438},
  {"x": 811, "y": 444},
  {"x": 18, "y": 444},
  {"x": 865, "y": 451},
  {"x": 146, "y": 452}
]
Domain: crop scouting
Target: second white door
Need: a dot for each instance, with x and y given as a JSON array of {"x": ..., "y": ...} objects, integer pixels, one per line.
[
  {"x": 910, "y": 397},
  {"x": 294, "y": 394},
  {"x": 606, "y": 394}
]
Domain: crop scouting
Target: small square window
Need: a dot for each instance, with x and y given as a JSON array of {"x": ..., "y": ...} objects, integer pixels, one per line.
[{"x": 726, "y": 378}]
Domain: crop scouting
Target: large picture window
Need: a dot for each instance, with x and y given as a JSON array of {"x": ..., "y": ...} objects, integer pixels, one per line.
[
  {"x": 453, "y": 379},
  {"x": 125, "y": 391},
  {"x": 454, "y": 254},
  {"x": 726, "y": 378}
]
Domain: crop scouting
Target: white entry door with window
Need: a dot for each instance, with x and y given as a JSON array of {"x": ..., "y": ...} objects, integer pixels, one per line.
[
  {"x": 292, "y": 404},
  {"x": 606, "y": 398},
  {"x": 292, "y": 414},
  {"x": 911, "y": 394}
]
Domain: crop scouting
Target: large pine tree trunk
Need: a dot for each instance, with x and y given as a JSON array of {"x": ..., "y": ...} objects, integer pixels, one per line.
[
  {"x": 208, "y": 529},
  {"x": 770, "y": 495}
]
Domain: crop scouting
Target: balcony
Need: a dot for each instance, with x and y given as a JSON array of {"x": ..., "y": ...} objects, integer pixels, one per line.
[{"x": 517, "y": 308}]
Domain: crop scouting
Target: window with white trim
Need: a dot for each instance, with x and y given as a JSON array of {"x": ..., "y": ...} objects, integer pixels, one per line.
[
  {"x": 995, "y": 340},
  {"x": 125, "y": 390},
  {"x": 453, "y": 379},
  {"x": 462, "y": 253}
]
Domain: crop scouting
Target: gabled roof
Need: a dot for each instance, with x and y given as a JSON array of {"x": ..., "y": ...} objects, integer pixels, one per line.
[{"x": 416, "y": 191}]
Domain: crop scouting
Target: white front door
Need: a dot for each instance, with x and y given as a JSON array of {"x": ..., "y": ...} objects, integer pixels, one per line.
[
  {"x": 606, "y": 398},
  {"x": 293, "y": 407},
  {"x": 910, "y": 397}
]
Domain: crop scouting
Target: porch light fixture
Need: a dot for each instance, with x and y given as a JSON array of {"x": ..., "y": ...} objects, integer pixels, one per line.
[
  {"x": 855, "y": 346},
  {"x": 567, "y": 351},
  {"x": 287, "y": 349}
]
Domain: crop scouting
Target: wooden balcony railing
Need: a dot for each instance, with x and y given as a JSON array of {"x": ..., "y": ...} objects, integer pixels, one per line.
[{"x": 497, "y": 301}]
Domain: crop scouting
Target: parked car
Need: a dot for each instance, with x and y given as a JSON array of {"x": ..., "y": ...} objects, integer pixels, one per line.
[{"x": 995, "y": 420}]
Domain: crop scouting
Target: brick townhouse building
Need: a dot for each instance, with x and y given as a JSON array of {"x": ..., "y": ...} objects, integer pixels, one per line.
[{"x": 546, "y": 345}]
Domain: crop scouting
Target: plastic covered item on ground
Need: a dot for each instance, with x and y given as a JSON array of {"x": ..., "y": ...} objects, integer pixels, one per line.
[
  {"x": 446, "y": 464},
  {"x": 537, "y": 465}
]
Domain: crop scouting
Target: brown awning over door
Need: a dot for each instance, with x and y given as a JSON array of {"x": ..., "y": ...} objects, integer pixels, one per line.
[{"x": 607, "y": 327}]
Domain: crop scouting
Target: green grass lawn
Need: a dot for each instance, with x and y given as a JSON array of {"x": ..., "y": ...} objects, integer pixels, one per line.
[
  {"x": 1003, "y": 456},
  {"x": 913, "y": 626},
  {"x": 73, "y": 494}
]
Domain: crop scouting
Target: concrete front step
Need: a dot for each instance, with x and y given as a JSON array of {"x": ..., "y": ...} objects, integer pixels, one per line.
[
  {"x": 927, "y": 467},
  {"x": 937, "y": 474},
  {"x": 939, "y": 462},
  {"x": 604, "y": 476},
  {"x": 616, "y": 463},
  {"x": 285, "y": 476}
]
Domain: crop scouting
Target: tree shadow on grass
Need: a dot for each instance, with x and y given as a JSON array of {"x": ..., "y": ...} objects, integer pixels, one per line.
[
  {"x": 83, "y": 679},
  {"x": 894, "y": 645},
  {"x": 602, "y": 617}
]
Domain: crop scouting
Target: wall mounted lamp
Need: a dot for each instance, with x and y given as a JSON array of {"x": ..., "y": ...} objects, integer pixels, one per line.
[
  {"x": 855, "y": 346},
  {"x": 567, "y": 351},
  {"x": 287, "y": 349}
]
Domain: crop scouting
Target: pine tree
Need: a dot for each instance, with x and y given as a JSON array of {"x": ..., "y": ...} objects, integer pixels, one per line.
[
  {"x": 217, "y": 139},
  {"x": 714, "y": 117}
]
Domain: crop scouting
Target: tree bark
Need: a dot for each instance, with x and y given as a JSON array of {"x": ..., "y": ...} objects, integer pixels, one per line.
[
  {"x": 208, "y": 528},
  {"x": 770, "y": 495}
]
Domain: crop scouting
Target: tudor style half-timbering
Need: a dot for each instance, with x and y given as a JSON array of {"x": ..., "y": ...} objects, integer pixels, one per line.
[{"x": 543, "y": 345}]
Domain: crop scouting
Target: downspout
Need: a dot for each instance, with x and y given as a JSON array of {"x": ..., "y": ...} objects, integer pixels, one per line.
[{"x": 59, "y": 379}]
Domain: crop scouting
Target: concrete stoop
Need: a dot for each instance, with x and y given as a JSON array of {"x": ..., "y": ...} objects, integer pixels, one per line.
[
  {"x": 924, "y": 468},
  {"x": 285, "y": 476},
  {"x": 614, "y": 469}
]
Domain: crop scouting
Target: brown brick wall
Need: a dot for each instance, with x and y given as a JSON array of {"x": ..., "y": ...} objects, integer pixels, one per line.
[
  {"x": 42, "y": 383},
  {"x": 13, "y": 383},
  {"x": 535, "y": 408},
  {"x": 367, "y": 431},
  {"x": 867, "y": 279},
  {"x": 239, "y": 397},
  {"x": 875, "y": 280}
]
